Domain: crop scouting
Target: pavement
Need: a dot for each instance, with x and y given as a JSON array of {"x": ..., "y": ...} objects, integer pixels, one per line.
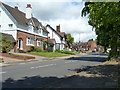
[{"x": 11, "y": 61}]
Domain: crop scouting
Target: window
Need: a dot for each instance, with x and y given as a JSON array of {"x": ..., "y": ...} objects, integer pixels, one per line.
[
  {"x": 30, "y": 41},
  {"x": 10, "y": 25},
  {"x": 31, "y": 28},
  {"x": 45, "y": 34},
  {"x": 39, "y": 43},
  {"x": 0, "y": 26}
]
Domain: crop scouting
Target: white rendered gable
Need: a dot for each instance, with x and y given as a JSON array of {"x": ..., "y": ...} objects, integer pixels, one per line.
[
  {"x": 7, "y": 22},
  {"x": 53, "y": 34}
]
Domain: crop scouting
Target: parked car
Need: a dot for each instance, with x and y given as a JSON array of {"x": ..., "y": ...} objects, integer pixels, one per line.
[
  {"x": 93, "y": 51},
  {"x": 83, "y": 51}
]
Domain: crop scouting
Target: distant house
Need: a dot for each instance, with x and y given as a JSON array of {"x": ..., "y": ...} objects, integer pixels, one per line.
[
  {"x": 88, "y": 46},
  {"x": 26, "y": 29},
  {"x": 57, "y": 37}
]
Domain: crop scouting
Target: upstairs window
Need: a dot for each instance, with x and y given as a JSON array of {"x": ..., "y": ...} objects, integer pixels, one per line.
[
  {"x": 45, "y": 34},
  {"x": 31, "y": 28},
  {"x": 10, "y": 25}
]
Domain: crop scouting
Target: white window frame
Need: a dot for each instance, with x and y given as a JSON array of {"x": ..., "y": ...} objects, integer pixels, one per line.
[
  {"x": 30, "y": 41},
  {"x": 39, "y": 43}
]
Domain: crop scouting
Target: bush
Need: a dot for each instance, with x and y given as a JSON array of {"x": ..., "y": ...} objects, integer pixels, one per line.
[
  {"x": 34, "y": 49},
  {"x": 5, "y": 45}
]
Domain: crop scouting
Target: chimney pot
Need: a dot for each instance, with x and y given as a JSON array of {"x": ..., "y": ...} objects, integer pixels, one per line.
[
  {"x": 16, "y": 7},
  {"x": 58, "y": 28},
  {"x": 29, "y": 5},
  {"x": 28, "y": 11}
]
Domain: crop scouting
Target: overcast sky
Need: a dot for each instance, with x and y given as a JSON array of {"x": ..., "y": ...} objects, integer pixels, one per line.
[{"x": 67, "y": 14}]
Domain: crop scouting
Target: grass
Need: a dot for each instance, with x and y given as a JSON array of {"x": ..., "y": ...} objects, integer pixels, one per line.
[
  {"x": 19, "y": 55},
  {"x": 67, "y": 52},
  {"x": 49, "y": 54}
]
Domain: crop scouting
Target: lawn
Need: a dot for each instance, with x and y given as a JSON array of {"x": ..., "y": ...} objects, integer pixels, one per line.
[
  {"x": 19, "y": 55},
  {"x": 49, "y": 54}
]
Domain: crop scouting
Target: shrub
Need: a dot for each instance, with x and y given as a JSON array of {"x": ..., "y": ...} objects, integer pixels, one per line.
[
  {"x": 48, "y": 49},
  {"x": 5, "y": 45},
  {"x": 34, "y": 49}
]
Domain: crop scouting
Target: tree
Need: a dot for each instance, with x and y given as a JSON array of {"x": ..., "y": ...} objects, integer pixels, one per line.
[
  {"x": 69, "y": 39},
  {"x": 5, "y": 45},
  {"x": 104, "y": 17}
]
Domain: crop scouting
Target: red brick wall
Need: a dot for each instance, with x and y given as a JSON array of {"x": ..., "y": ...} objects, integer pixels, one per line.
[
  {"x": 93, "y": 46},
  {"x": 23, "y": 35}
]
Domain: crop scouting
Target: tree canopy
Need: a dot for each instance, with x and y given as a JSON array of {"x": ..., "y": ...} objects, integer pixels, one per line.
[
  {"x": 105, "y": 18},
  {"x": 69, "y": 39}
]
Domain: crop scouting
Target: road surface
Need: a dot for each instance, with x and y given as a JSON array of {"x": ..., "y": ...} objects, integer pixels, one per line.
[{"x": 39, "y": 74}]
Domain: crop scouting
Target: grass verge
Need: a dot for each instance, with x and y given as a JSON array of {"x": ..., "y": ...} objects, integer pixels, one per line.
[
  {"x": 49, "y": 54},
  {"x": 19, "y": 55}
]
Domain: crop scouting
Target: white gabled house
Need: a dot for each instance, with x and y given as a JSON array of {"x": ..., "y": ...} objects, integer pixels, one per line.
[
  {"x": 26, "y": 29},
  {"x": 57, "y": 36}
]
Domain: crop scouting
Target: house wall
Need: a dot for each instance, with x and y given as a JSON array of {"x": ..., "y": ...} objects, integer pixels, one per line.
[
  {"x": 52, "y": 34},
  {"x": 23, "y": 36},
  {"x": 5, "y": 20},
  {"x": 93, "y": 46}
]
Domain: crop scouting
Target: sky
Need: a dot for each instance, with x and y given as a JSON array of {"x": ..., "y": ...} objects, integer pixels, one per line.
[{"x": 65, "y": 13}]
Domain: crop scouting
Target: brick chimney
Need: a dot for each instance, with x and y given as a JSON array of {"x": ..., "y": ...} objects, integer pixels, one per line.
[
  {"x": 16, "y": 7},
  {"x": 28, "y": 11},
  {"x": 58, "y": 28}
]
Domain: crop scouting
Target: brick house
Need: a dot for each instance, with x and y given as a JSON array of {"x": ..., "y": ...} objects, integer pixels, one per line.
[
  {"x": 26, "y": 29},
  {"x": 88, "y": 46}
]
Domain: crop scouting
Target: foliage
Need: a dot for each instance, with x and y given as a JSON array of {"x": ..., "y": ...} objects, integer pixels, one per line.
[
  {"x": 48, "y": 54},
  {"x": 90, "y": 40},
  {"x": 69, "y": 39},
  {"x": 5, "y": 45},
  {"x": 105, "y": 19},
  {"x": 66, "y": 52},
  {"x": 34, "y": 49}
]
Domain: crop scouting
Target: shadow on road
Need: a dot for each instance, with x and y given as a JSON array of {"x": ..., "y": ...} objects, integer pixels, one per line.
[
  {"x": 94, "y": 59},
  {"x": 101, "y": 54},
  {"x": 69, "y": 82}
]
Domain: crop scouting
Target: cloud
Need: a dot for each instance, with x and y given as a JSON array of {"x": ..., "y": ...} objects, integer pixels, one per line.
[{"x": 67, "y": 14}]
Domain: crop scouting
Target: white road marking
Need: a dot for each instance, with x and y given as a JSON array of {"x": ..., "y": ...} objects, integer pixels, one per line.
[
  {"x": 70, "y": 61},
  {"x": 43, "y": 66},
  {"x": 2, "y": 72}
]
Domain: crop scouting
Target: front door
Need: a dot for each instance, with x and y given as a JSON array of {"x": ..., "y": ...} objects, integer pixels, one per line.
[{"x": 20, "y": 44}]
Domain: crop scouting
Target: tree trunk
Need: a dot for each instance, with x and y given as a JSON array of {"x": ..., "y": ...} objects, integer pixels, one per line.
[
  {"x": 105, "y": 49},
  {"x": 113, "y": 52}
]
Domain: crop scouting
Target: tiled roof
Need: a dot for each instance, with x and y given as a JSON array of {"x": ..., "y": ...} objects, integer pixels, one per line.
[
  {"x": 21, "y": 18},
  {"x": 54, "y": 30},
  {"x": 8, "y": 36},
  {"x": 51, "y": 41}
]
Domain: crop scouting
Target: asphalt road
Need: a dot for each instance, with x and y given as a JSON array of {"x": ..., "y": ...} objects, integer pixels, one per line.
[{"x": 39, "y": 74}]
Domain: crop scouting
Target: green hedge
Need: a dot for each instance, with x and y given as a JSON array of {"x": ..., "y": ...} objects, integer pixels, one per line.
[
  {"x": 66, "y": 52},
  {"x": 34, "y": 49}
]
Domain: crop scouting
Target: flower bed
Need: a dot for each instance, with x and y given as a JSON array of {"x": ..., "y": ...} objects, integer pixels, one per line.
[{"x": 17, "y": 57}]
